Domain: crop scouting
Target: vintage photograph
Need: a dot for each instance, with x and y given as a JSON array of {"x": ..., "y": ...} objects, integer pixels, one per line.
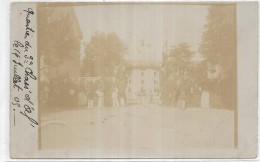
[{"x": 137, "y": 76}]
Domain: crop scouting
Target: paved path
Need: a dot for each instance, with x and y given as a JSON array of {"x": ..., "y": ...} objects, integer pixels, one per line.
[{"x": 138, "y": 127}]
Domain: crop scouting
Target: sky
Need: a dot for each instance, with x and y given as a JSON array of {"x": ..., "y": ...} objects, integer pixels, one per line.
[{"x": 150, "y": 25}]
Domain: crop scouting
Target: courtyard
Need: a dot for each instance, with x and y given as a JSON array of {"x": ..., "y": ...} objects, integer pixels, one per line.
[{"x": 137, "y": 127}]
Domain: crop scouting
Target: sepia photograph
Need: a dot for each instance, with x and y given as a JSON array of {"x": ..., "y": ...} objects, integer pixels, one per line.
[{"x": 137, "y": 76}]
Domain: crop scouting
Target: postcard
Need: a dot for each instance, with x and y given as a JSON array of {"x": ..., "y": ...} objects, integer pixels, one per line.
[{"x": 134, "y": 80}]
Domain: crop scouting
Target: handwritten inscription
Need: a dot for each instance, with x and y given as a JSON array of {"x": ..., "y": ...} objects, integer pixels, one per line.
[
  {"x": 29, "y": 29},
  {"x": 16, "y": 77},
  {"x": 23, "y": 75}
]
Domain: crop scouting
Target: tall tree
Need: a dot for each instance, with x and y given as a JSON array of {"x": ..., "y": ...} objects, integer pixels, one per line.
[
  {"x": 218, "y": 39},
  {"x": 104, "y": 53},
  {"x": 180, "y": 56},
  {"x": 218, "y": 46},
  {"x": 176, "y": 72},
  {"x": 59, "y": 37}
]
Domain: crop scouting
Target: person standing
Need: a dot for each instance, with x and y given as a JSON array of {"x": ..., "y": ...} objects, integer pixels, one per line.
[
  {"x": 205, "y": 99},
  {"x": 90, "y": 94},
  {"x": 183, "y": 100},
  {"x": 122, "y": 98},
  {"x": 100, "y": 93},
  {"x": 115, "y": 97}
]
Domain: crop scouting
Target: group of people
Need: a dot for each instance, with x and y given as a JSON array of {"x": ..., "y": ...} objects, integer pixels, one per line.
[
  {"x": 92, "y": 92},
  {"x": 195, "y": 96},
  {"x": 95, "y": 94},
  {"x": 116, "y": 97},
  {"x": 145, "y": 96}
]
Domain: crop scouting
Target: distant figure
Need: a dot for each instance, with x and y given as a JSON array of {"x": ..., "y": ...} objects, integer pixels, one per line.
[
  {"x": 191, "y": 90},
  {"x": 205, "y": 99},
  {"x": 81, "y": 96},
  {"x": 100, "y": 94},
  {"x": 72, "y": 95},
  {"x": 90, "y": 102},
  {"x": 115, "y": 97},
  {"x": 183, "y": 101},
  {"x": 90, "y": 94},
  {"x": 122, "y": 98}
]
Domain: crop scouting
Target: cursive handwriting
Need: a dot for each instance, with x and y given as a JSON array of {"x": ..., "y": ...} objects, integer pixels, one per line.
[
  {"x": 16, "y": 79},
  {"x": 28, "y": 110},
  {"x": 23, "y": 74},
  {"x": 28, "y": 21},
  {"x": 27, "y": 98},
  {"x": 28, "y": 74},
  {"x": 27, "y": 46},
  {"x": 15, "y": 104}
]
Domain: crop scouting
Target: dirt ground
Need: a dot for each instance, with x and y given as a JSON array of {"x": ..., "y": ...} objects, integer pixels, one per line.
[{"x": 137, "y": 127}]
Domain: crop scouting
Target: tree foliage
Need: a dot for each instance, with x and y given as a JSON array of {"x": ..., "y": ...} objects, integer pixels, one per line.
[
  {"x": 219, "y": 49},
  {"x": 176, "y": 73},
  {"x": 104, "y": 53},
  {"x": 58, "y": 39},
  {"x": 180, "y": 56},
  {"x": 218, "y": 38}
]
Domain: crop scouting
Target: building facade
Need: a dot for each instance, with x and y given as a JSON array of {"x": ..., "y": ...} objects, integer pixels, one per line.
[{"x": 143, "y": 81}]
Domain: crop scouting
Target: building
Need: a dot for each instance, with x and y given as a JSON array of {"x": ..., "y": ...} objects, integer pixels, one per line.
[{"x": 144, "y": 76}]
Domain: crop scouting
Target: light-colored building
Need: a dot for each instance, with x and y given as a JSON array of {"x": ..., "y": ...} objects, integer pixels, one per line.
[{"x": 144, "y": 78}]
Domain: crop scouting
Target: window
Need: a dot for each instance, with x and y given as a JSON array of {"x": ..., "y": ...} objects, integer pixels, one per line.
[
  {"x": 142, "y": 73},
  {"x": 129, "y": 81},
  {"x": 155, "y": 74},
  {"x": 129, "y": 89},
  {"x": 155, "y": 82},
  {"x": 142, "y": 81}
]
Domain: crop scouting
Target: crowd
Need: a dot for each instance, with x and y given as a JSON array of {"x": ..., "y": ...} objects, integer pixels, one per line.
[
  {"x": 100, "y": 93},
  {"x": 90, "y": 93}
]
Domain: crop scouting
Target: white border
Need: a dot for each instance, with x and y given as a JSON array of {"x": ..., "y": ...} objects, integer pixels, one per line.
[{"x": 5, "y": 82}]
